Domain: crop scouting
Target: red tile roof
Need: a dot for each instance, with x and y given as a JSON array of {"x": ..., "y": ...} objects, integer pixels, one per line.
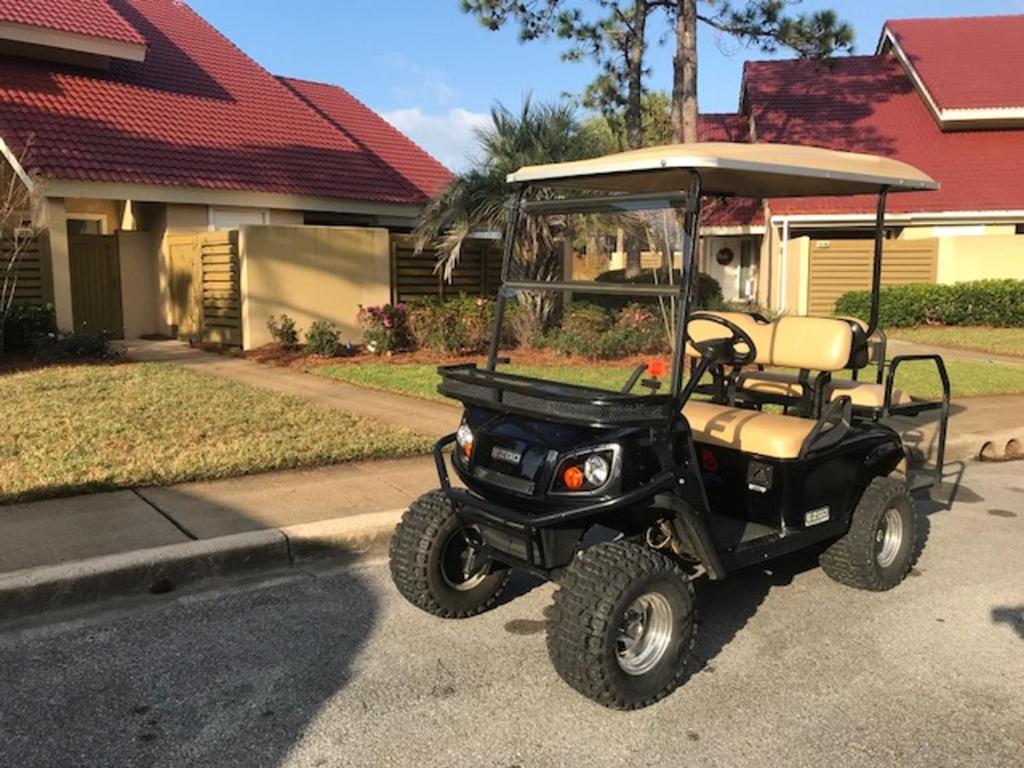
[
  {"x": 738, "y": 212},
  {"x": 868, "y": 104},
  {"x": 93, "y": 18},
  {"x": 366, "y": 127},
  {"x": 966, "y": 63},
  {"x": 197, "y": 113}
]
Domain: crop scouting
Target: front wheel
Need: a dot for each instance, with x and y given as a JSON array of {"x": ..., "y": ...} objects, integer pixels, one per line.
[
  {"x": 622, "y": 625},
  {"x": 878, "y": 550},
  {"x": 435, "y": 568}
]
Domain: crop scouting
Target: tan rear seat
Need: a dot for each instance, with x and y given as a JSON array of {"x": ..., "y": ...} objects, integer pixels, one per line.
[
  {"x": 810, "y": 343},
  {"x": 862, "y": 394},
  {"x": 767, "y": 434}
]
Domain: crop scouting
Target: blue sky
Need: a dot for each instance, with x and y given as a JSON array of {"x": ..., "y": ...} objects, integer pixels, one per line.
[{"x": 434, "y": 72}]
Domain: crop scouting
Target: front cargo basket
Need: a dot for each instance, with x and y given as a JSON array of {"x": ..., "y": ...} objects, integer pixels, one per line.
[{"x": 553, "y": 401}]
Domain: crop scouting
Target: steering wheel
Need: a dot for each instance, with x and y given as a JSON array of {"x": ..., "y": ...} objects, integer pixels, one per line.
[{"x": 722, "y": 351}]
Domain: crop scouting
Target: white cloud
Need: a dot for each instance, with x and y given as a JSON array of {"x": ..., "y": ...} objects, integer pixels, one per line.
[
  {"x": 417, "y": 80},
  {"x": 449, "y": 136}
]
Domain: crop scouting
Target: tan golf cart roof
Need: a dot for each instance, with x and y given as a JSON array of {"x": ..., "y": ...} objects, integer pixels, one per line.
[{"x": 734, "y": 170}]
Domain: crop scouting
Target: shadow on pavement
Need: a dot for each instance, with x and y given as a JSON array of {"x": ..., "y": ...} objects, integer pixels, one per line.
[
  {"x": 725, "y": 607},
  {"x": 236, "y": 681},
  {"x": 1011, "y": 615}
]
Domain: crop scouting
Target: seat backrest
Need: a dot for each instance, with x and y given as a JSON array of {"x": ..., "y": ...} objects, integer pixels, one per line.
[{"x": 812, "y": 343}]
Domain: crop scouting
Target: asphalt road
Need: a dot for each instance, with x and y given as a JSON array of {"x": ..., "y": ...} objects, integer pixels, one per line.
[{"x": 791, "y": 670}]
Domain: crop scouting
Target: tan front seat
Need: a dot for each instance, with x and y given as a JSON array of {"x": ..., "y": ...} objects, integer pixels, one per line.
[
  {"x": 812, "y": 343},
  {"x": 767, "y": 434}
]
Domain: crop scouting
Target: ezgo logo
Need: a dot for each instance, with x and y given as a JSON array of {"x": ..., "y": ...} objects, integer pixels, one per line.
[{"x": 710, "y": 466}]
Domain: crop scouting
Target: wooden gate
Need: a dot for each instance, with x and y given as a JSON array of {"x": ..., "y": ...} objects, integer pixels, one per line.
[
  {"x": 96, "y": 285},
  {"x": 412, "y": 276},
  {"x": 205, "y": 287},
  {"x": 183, "y": 279},
  {"x": 838, "y": 266}
]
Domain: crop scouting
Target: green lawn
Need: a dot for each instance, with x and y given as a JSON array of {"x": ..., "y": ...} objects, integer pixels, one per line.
[
  {"x": 421, "y": 380},
  {"x": 93, "y": 427},
  {"x": 968, "y": 378},
  {"x": 995, "y": 341}
]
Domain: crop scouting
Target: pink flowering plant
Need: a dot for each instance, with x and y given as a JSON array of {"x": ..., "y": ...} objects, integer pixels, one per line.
[{"x": 385, "y": 328}]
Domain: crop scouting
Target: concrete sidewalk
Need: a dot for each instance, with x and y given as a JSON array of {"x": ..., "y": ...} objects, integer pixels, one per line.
[
  {"x": 63, "y": 530},
  {"x": 65, "y": 553}
]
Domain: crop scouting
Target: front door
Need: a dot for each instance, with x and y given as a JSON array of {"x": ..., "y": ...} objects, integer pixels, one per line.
[{"x": 96, "y": 285}]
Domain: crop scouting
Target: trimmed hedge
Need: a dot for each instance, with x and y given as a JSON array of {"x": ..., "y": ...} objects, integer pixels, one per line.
[
  {"x": 590, "y": 330},
  {"x": 997, "y": 303}
]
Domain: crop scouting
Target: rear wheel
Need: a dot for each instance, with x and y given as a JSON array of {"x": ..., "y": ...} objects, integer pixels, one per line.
[
  {"x": 878, "y": 550},
  {"x": 435, "y": 568},
  {"x": 622, "y": 625}
]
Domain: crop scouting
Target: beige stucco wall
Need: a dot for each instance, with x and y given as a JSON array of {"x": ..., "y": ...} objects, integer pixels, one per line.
[
  {"x": 110, "y": 210},
  {"x": 52, "y": 214},
  {"x": 980, "y": 258},
  {"x": 139, "y": 285},
  {"x": 283, "y": 218},
  {"x": 311, "y": 273}
]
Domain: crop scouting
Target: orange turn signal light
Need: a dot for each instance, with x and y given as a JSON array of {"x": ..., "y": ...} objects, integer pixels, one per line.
[{"x": 573, "y": 478}]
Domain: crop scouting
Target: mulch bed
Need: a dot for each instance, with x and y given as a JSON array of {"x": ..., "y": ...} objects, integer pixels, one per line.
[
  {"x": 17, "y": 362},
  {"x": 274, "y": 354}
]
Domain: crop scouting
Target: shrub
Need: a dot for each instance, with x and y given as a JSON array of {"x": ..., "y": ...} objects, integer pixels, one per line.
[
  {"x": 591, "y": 330},
  {"x": 55, "y": 347},
  {"x": 323, "y": 339},
  {"x": 981, "y": 302},
  {"x": 283, "y": 331},
  {"x": 385, "y": 328},
  {"x": 456, "y": 325},
  {"x": 25, "y": 324},
  {"x": 709, "y": 292}
]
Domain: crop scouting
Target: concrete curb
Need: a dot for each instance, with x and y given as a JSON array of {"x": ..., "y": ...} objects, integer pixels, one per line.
[{"x": 163, "y": 569}]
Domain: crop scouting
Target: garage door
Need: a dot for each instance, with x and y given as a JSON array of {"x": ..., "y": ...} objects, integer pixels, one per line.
[{"x": 838, "y": 266}]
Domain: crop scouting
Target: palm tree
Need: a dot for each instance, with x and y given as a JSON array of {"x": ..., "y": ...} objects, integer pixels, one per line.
[{"x": 475, "y": 200}]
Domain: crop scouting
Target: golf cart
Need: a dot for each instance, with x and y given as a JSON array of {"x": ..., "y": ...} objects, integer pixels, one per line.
[{"x": 625, "y": 498}]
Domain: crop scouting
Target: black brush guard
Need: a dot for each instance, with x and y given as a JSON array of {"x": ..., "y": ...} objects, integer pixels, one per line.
[{"x": 530, "y": 529}]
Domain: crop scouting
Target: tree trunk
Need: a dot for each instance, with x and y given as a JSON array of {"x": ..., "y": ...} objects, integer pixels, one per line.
[
  {"x": 684, "y": 66},
  {"x": 634, "y": 77},
  {"x": 634, "y": 110}
]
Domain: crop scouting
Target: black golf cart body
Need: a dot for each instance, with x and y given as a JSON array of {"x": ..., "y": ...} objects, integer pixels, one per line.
[
  {"x": 778, "y": 483},
  {"x": 699, "y": 477}
]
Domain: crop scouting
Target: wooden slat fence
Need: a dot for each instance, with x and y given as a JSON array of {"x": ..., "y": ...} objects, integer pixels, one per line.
[
  {"x": 221, "y": 288},
  {"x": 35, "y": 277},
  {"x": 414, "y": 276},
  {"x": 838, "y": 266}
]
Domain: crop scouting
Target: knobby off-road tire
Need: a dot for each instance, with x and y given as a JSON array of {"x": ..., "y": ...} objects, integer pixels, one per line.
[
  {"x": 598, "y": 599},
  {"x": 878, "y": 550},
  {"x": 424, "y": 562}
]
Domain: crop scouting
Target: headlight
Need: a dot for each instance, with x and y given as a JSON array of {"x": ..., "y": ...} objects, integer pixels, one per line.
[
  {"x": 596, "y": 470},
  {"x": 464, "y": 437},
  {"x": 587, "y": 471}
]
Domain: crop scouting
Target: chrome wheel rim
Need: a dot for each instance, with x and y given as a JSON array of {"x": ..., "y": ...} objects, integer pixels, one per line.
[
  {"x": 644, "y": 633},
  {"x": 461, "y": 568},
  {"x": 889, "y": 538}
]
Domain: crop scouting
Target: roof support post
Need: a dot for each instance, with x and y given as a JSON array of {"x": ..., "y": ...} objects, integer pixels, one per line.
[
  {"x": 876, "y": 267},
  {"x": 691, "y": 232},
  {"x": 515, "y": 205}
]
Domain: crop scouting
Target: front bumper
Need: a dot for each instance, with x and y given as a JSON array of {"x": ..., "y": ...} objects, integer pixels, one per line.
[{"x": 535, "y": 542}]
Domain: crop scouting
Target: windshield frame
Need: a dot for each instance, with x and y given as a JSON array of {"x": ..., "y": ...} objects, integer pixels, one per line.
[{"x": 687, "y": 202}]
